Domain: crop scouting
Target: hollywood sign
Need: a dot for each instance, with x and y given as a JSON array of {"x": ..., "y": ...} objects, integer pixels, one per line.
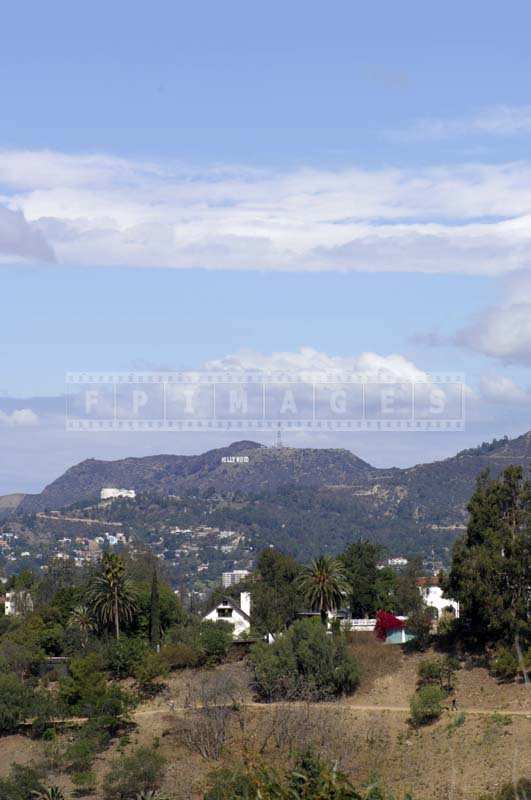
[{"x": 235, "y": 460}]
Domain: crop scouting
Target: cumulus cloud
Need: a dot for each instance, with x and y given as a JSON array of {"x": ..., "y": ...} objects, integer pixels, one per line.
[
  {"x": 502, "y": 389},
  {"x": 20, "y": 239},
  {"x": 498, "y": 120},
  {"x": 19, "y": 418},
  {"x": 103, "y": 210},
  {"x": 504, "y": 331},
  {"x": 307, "y": 360}
]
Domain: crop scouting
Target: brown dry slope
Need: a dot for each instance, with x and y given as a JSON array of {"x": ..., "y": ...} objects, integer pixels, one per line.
[{"x": 483, "y": 745}]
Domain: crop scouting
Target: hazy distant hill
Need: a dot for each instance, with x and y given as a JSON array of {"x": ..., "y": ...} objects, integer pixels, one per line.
[
  {"x": 9, "y": 502},
  {"x": 434, "y": 493},
  {"x": 267, "y": 469}
]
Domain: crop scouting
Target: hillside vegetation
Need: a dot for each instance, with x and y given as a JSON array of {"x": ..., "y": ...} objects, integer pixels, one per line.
[{"x": 298, "y": 499}]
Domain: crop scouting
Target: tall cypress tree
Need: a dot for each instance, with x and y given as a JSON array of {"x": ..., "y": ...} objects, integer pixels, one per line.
[
  {"x": 491, "y": 563},
  {"x": 154, "y": 612}
]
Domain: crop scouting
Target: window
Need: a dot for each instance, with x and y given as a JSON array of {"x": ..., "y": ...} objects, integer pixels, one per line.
[{"x": 224, "y": 612}]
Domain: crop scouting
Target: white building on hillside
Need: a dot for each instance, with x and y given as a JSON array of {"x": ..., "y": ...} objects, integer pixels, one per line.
[
  {"x": 110, "y": 493},
  {"x": 18, "y": 602},
  {"x": 228, "y": 610},
  {"x": 233, "y": 577},
  {"x": 433, "y": 596}
]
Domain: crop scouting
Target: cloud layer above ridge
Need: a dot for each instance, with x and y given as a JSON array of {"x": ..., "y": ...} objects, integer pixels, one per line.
[{"x": 99, "y": 210}]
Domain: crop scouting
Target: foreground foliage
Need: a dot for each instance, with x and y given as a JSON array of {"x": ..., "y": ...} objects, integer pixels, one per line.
[
  {"x": 306, "y": 662},
  {"x": 492, "y": 562},
  {"x": 309, "y": 779}
]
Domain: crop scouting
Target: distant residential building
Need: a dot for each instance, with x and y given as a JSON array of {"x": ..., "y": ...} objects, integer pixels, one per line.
[
  {"x": 433, "y": 596},
  {"x": 233, "y": 577},
  {"x": 400, "y": 561},
  {"x": 18, "y": 602},
  {"x": 110, "y": 493},
  {"x": 228, "y": 610}
]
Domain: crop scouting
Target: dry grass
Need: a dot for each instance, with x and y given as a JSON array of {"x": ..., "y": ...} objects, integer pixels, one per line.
[{"x": 438, "y": 762}]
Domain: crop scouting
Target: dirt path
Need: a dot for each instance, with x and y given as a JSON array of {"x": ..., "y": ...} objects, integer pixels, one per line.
[
  {"x": 350, "y": 707},
  {"x": 72, "y": 722}
]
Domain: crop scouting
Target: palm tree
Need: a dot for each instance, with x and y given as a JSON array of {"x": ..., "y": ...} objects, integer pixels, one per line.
[
  {"x": 324, "y": 584},
  {"x": 82, "y": 619},
  {"x": 111, "y": 594}
]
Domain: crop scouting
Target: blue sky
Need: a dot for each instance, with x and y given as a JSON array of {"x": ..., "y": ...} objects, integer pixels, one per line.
[{"x": 183, "y": 182}]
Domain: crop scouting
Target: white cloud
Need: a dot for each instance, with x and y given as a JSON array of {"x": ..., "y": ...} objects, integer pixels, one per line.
[
  {"x": 307, "y": 360},
  {"x": 20, "y": 239},
  {"x": 504, "y": 331},
  {"x": 502, "y": 389},
  {"x": 19, "y": 418},
  {"x": 101, "y": 210},
  {"x": 499, "y": 121}
]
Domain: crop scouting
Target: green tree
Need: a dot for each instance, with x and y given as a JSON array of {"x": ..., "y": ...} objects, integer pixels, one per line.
[
  {"x": 215, "y": 639},
  {"x": 359, "y": 562},
  {"x": 154, "y": 612},
  {"x": 15, "y": 702},
  {"x": 305, "y": 662},
  {"x": 427, "y": 704},
  {"x": 324, "y": 585},
  {"x": 111, "y": 594},
  {"x": 419, "y": 624},
  {"x": 276, "y": 595},
  {"x": 82, "y": 619},
  {"x": 491, "y": 563},
  {"x": 277, "y": 598},
  {"x": 139, "y": 771},
  {"x": 407, "y": 599}
]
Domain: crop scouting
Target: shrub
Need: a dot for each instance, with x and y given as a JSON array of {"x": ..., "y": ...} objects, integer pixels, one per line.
[
  {"x": 504, "y": 664},
  {"x": 180, "y": 656},
  {"x": 43, "y": 710},
  {"x": 140, "y": 771},
  {"x": 81, "y": 753},
  {"x": 84, "y": 782},
  {"x": 304, "y": 662},
  {"x": 151, "y": 667},
  {"x": 426, "y": 704},
  {"x": 419, "y": 626},
  {"x": 215, "y": 639},
  {"x": 310, "y": 778},
  {"x": 430, "y": 671},
  {"x": 457, "y": 722},
  {"x": 521, "y": 790},
  {"x": 15, "y": 702},
  {"x": 23, "y": 783},
  {"x": 438, "y": 671},
  {"x": 80, "y": 690},
  {"x": 124, "y": 656},
  {"x": 212, "y": 700}
]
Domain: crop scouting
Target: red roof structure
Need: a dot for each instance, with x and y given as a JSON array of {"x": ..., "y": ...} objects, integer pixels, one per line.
[{"x": 386, "y": 622}]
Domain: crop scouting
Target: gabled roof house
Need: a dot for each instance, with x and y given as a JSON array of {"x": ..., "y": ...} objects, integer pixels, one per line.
[{"x": 238, "y": 615}]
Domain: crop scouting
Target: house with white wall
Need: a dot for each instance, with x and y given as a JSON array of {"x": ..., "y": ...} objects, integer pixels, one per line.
[
  {"x": 238, "y": 615},
  {"x": 18, "y": 602},
  {"x": 434, "y": 597},
  {"x": 111, "y": 493}
]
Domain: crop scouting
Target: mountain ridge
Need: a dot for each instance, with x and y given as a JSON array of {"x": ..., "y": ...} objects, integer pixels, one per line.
[{"x": 267, "y": 469}]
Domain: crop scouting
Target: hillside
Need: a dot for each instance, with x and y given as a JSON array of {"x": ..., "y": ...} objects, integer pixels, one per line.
[
  {"x": 470, "y": 752},
  {"x": 9, "y": 502},
  {"x": 266, "y": 470},
  {"x": 303, "y": 501},
  {"x": 427, "y": 494}
]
